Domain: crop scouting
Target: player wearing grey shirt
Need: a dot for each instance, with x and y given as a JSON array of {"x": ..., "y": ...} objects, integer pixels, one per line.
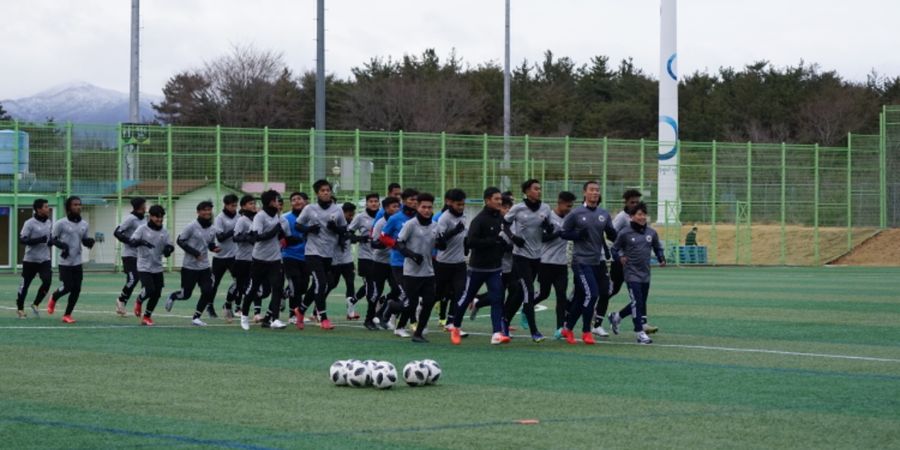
[
  {"x": 36, "y": 236},
  {"x": 197, "y": 239},
  {"x": 360, "y": 232},
  {"x": 526, "y": 222},
  {"x": 223, "y": 262},
  {"x": 416, "y": 242},
  {"x": 554, "y": 273},
  {"x": 243, "y": 258},
  {"x": 323, "y": 223},
  {"x": 380, "y": 271},
  {"x": 633, "y": 248},
  {"x": 631, "y": 197},
  {"x": 587, "y": 225},
  {"x": 267, "y": 270},
  {"x": 123, "y": 233},
  {"x": 450, "y": 263},
  {"x": 69, "y": 235},
  {"x": 152, "y": 243}
]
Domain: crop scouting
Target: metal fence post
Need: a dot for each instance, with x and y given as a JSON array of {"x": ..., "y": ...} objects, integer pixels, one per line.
[
  {"x": 605, "y": 154},
  {"x": 849, "y": 192},
  {"x": 882, "y": 185},
  {"x": 525, "y": 160},
  {"x": 484, "y": 162},
  {"x": 816, "y": 208},
  {"x": 750, "y": 199},
  {"x": 170, "y": 217},
  {"x": 266, "y": 158},
  {"x": 68, "y": 159},
  {"x": 312, "y": 157},
  {"x": 119, "y": 151},
  {"x": 443, "y": 163},
  {"x": 641, "y": 175},
  {"x": 400, "y": 157},
  {"x": 714, "y": 254},
  {"x": 566, "y": 151},
  {"x": 14, "y": 214},
  {"x": 783, "y": 206},
  {"x": 356, "y": 166},
  {"x": 218, "y": 162}
]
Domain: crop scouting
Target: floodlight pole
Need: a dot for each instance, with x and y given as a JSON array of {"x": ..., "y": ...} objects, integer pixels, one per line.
[
  {"x": 320, "y": 89},
  {"x": 667, "y": 189},
  {"x": 506, "y": 106},
  {"x": 134, "y": 115}
]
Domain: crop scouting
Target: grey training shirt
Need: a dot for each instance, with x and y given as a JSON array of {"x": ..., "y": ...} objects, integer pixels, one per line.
[
  {"x": 33, "y": 229},
  {"x": 381, "y": 255},
  {"x": 224, "y": 224},
  {"x": 596, "y": 221},
  {"x": 243, "y": 250},
  {"x": 455, "y": 252},
  {"x": 636, "y": 246},
  {"x": 198, "y": 238},
  {"x": 419, "y": 239},
  {"x": 71, "y": 233},
  {"x": 362, "y": 226},
  {"x": 128, "y": 226},
  {"x": 527, "y": 225},
  {"x": 325, "y": 242},
  {"x": 150, "y": 259},
  {"x": 557, "y": 250},
  {"x": 269, "y": 249}
]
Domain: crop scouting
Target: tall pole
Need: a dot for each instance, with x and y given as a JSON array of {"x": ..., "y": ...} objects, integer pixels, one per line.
[
  {"x": 134, "y": 115},
  {"x": 668, "y": 110},
  {"x": 320, "y": 89},
  {"x": 507, "y": 108}
]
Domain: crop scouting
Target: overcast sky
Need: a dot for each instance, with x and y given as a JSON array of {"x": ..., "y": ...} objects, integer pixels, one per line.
[{"x": 52, "y": 42}]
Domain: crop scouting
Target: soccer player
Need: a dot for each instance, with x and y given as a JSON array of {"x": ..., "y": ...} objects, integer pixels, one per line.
[
  {"x": 554, "y": 270},
  {"x": 525, "y": 224},
  {"x": 197, "y": 239},
  {"x": 416, "y": 242},
  {"x": 360, "y": 231},
  {"x": 381, "y": 267},
  {"x": 586, "y": 226},
  {"x": 243, "y": 256},
  {"x": 323, "y": 223},
  {"x": 487, "y": 247},
  {"x": 393, "y": 190},
  {"x": 37, "y": 237},
  {"x": 389, "y": 236},
  {"x": 123, "y": 233},
  {"x": 294, "y": 257},
  {"x": 152, "y": 243},
  {"x": 481, "y": 300},
  {"x": 268, "y": 228},
  {"x": 632, "y": 248},
  {"x": 69, "y": 235},
  {"x": 621, "y": 222},
  {"x": 450, "y": 262},
  {"x": 342, "y": 266},
  {"x": 224, "y": 260}
]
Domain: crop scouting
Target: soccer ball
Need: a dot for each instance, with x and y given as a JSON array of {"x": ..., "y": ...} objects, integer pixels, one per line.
[
  {"x": 338, "y": 373},
  {"x": 434, "y": 370},
  {"x": 371, "y": 363},
  {"x": 384, "y": 376},
  {"x": 358, "y": 374},
  {"x": 415, "y": 373}
]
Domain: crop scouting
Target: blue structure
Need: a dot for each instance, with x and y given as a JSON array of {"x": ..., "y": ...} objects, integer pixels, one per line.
[{"x": 8, "y": 150}]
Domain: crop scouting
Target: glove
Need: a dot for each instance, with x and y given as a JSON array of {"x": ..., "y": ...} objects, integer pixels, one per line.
[
  {"x": 518, "y": 240},
  {"x": 332, "y": 226},
  {"x": 211, "y": 246},
  {"x": 143, "y": 243},
  {"x": 440, "y": 243},
  {"x": 313, "y": 229},
  {"x": 168, "y": 250},
  {"x": 64, "y": 254},
  {"x": 459, "y": 228},
  {"x": 88, "y": 242},
  {"x": 547, "y": 226},
  {"x": 61, "y": 245},
  {"x": 417, "y": 258},
  {"x": 292, "y": 240}
]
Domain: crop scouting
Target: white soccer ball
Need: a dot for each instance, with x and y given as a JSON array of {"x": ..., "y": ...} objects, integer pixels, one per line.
[
  {"x": 358, "y": 374},
  {"x": 338, "y": 373},
  {"x": 384, "y": 376},
  {"x": 415, "y": 373},
  {"x": 434, "y": 370}
]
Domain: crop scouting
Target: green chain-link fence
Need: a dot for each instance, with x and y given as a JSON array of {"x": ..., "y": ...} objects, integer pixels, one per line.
[{"x": 752, "y": 203}]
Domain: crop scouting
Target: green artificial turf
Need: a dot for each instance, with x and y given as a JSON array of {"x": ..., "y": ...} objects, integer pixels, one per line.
[{"x": 746, "y": 358}]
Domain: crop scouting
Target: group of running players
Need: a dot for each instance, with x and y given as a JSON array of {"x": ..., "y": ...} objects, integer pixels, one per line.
[{"x": 409, "y": 258}]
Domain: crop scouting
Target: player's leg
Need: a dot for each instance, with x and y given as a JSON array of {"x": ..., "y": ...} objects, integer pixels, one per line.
[
  {"x": 603, "y": 289},
  {"x": 76, "y": 278},
  {"x": 427, "y": 292},
  {"x": 129, "y": 267},
  {"x": 275, "y": 279},
  {"x": 45, "y": 272},
  {"x": 205, "y": 281},
  {"x": 29, "y": 272},
  {"x": 189, "y": 279}
]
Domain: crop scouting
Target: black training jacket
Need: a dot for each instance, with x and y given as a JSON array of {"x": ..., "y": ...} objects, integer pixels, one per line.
[{"x": 484, "y": 240}]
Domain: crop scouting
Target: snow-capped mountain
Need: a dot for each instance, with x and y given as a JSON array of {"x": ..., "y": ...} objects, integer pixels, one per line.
[{"x": 78, "y": 102}]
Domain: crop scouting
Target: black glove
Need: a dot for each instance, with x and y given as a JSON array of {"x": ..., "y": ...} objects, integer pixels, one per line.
[
  {"x": 311, "y": 229},
  {"x": 417, "y": 258},
  {"x": 459, "y": 228},
  {"x": 292, "y": 240},
  {"x": 518, "y": 240},
  {"x": 61, "y": 245},
  {"x": 211, "y": 246},
  {"x": 332, "y": 226},
  {"x": 547, "y": 226},
  {"x": 145, "y": 244},
  {"x": 88, "y": 242},
  {"x": 168, "y": 250},
  {"x": 440, "y": 243},
  {"x": 251, "y": 237},
  {"x": 64, "y": 254}
]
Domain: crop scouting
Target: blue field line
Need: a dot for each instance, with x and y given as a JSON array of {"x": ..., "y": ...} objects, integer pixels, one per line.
[{"x": 131, "y": 433}]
